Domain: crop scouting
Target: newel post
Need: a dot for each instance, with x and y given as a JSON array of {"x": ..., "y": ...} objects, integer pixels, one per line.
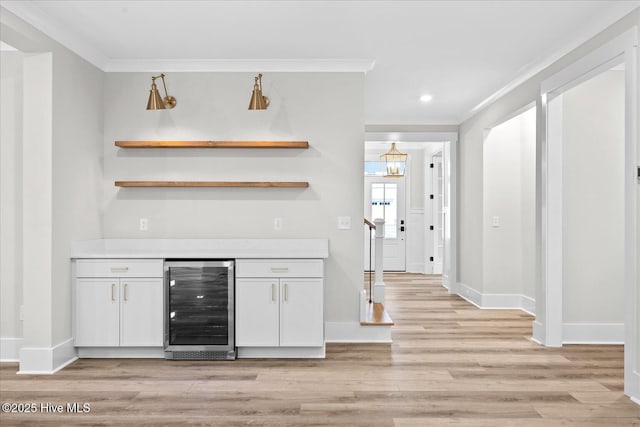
[{"x": 378, "y": 286}]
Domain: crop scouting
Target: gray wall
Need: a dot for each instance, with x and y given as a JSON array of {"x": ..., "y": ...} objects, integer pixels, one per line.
[
  {"x": 76, "y": 186},
  {"x": 509, "y": 194},
  {"x": 593, "y": 192},
  {"x": 10, "y": 193},
  {"x": 213, "y": 106}
]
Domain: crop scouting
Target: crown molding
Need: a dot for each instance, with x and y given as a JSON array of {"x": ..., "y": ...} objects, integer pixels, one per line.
[
  {"x": 529, "y": 71},
  {"x": 240, "y": 65},
  {"x": 33, "y": 15}
]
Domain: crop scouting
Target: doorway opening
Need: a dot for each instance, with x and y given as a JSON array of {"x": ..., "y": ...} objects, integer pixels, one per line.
[
  {"x": 509, "y": 210},
  {"x": 418, "y": 207},
  {"x": 590, "y": 116}
]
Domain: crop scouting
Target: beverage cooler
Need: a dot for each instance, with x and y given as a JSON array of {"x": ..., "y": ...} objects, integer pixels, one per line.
[{"x": 199, "y": 309}]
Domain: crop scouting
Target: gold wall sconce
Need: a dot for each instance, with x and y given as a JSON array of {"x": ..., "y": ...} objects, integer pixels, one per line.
[
  {"x": 258, "y": 101},
  {"x": 395, "y": 161},
  {"x": 156, "y": 102}
]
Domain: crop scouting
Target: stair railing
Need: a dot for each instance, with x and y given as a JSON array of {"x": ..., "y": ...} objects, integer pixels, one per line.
[{"x": 372, "y": 227}]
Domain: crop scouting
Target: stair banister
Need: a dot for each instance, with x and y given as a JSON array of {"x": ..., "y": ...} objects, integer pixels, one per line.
[{"x": 378, "y": 286}]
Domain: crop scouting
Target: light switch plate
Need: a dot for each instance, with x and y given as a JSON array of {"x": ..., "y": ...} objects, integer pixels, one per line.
[
  {"x": 277, "y": 224},
  {"x": 344, "y": 223}
]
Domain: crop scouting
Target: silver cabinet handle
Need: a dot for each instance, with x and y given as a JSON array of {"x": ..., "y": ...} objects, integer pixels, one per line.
[
  {"x": 114, "y": 269},
  {"x": 273, "y": 292},
  {"x": 113, "y": 292},
  {"x": 279, "y": 269},
  {"x": 286, "y": 292},
  {"x": 126, "y": 286}
]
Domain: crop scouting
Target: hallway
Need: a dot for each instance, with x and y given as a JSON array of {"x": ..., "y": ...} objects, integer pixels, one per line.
[{"x": 450, "y": 364}]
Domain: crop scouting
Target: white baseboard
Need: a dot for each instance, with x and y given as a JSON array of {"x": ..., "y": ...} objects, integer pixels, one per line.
[
  {"x": 470, "y": 294},
  {"x": 538, "y": 333},
  {"x": 633, "y": 389},
  {"x": 281, "y": 352},
  {"x": 497, "y": 301},
  {"x": 121, "y": 352},
  {"x": 10, "y": 349},
  {"x": 356, "y": 333},
  {"x": 43, "y": 361},
  {"x": 593, "y": 333},
  {"x": 415, "y": 267}
]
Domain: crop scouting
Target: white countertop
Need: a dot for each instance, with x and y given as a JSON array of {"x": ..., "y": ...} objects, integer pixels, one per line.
[{"x": 201, "y": 248}]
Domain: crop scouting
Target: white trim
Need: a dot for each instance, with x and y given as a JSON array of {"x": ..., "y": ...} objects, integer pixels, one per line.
[
  {"x": 497, "y": 301},
  {"x": 538, "y": 333},
  {"x": 634, "y": 386},
  {"x": 43, "y": 361},
  {"x": 470, "y": 294},
  {"x": 621, "y": 48},
  {"x": 531, "y": 70},
  {"x": 354, "y": 332},
  {"x": 121, "y": 352},
  {"x": 528, "y": 304},
  {"x": 415, "y": 267},
  {"x": 593, "y": 333},
  {"x": 281, "y": 352},
  {"x": 240, "y": 65},
  {"x": 10, "y": 349},
  {"x": 33, "y": 15},
  {"x": 551, "y": 273},
  {"x": 419, "y": 137}
]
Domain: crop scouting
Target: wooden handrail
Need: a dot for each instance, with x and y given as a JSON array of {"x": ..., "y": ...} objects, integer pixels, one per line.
[{"x": 370, "y": 224}]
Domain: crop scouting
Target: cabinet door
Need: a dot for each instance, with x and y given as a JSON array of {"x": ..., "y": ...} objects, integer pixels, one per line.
[
  {"x": 97, "y": 312},
  {"x": 301, "y": 313},
  {"x": 141, "y": 313},
  {"x": 257, "y": 312}
]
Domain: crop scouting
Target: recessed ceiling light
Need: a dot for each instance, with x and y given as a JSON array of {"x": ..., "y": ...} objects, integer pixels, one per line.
[{"x": 426, "y": 97}]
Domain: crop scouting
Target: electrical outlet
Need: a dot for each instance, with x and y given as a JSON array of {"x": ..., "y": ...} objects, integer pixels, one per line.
[
  {"x": 277, "y": 224},
  {"x": 21, "y": 311},
  {"x": 144, "y": 224},
  {"x": 495, "y": 221},
  {"x": 344, "y": 223}
]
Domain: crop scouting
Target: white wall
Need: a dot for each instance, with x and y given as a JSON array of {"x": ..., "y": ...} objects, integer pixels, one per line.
[
  {"x": 63, "y": 181},
  {"x": 470, "y": 198},
  {"x": 528, "y": 201},
  {"x": 509, "y": 195},
  {"x": 10, "y": 199},
  {"x": 213, "y": 106},
  {"x": 593, "y": 211}
]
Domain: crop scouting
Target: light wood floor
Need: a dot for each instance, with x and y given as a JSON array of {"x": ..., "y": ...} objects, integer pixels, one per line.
[{"x": 450, "y": 364}]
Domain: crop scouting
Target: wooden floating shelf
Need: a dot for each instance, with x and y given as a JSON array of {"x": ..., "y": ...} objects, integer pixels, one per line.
[
  {"x": 236, "y": 184},
  {"x": 212, "y": 144}
]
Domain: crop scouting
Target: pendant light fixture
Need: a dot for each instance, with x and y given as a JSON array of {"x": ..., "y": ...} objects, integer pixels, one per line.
[
  {"x": 258, "y": 101},
  {"x": 156, "y": 102},
  {"x": 395, "y": 161}
]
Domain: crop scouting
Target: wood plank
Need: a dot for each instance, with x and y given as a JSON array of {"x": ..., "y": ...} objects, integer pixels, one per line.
[
  {"x": 234, "y": 184},
  {"x": 212, "y": 144},
  {"x": 480, "y": 370},
  {"x": 376, "y": 316}
]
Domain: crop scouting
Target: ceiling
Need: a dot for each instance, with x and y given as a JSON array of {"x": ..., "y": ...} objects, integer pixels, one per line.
[{"x": 461, "y": 52}]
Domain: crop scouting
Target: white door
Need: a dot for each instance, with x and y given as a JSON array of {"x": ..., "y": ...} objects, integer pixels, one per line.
[
  {"x": 385, "y": 198},
  {"x": 257, "y": 312},
  {"x": 97, "y": 313},
  {"x": 141, "y": 312},
  {"x": 301, "y": 313}
]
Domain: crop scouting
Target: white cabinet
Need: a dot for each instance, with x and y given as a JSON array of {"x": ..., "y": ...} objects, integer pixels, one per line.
[
  {"x": 116, "y": 311},
  {"x": 279, "y": 303}
]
